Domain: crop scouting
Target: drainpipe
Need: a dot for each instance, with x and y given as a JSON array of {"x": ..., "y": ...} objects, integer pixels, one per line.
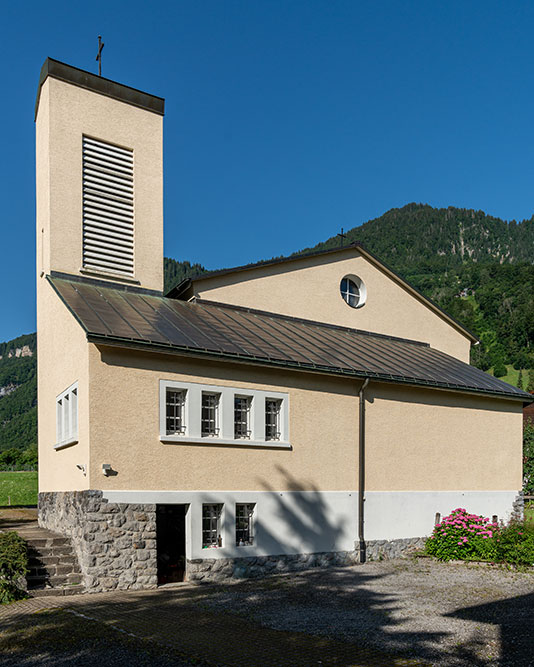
[{"x": 361, "y": 471}]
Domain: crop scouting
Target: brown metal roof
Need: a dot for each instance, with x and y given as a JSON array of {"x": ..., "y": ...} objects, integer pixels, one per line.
[{"x": 119, "y": 316}]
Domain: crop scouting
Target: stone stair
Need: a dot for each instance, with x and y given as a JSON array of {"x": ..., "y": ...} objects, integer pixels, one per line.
[{"x": 52, "y": 563}]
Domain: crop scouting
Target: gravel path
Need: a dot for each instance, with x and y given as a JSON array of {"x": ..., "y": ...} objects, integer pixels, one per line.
[{"x": 444, "y": 614}]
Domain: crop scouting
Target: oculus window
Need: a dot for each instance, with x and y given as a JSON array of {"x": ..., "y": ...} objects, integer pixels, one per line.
[{"x": 353, "y": 291}]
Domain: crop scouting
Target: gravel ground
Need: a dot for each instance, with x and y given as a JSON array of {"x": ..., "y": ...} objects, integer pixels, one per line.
[{"x": 444, "y": 614}]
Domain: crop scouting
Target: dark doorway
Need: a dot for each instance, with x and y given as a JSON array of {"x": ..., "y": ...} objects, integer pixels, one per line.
[{"x": 170, "y": 532}]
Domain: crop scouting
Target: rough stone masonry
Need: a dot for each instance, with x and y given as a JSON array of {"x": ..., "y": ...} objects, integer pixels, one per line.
[{"x": 115, "y": 544}]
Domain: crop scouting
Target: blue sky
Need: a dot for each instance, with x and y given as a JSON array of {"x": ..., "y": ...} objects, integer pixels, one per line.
[{"x": 286, "y": 120}]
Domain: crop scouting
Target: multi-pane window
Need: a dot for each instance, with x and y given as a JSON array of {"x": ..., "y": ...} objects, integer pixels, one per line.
[
  {"x": 209, "y": 422},
  {"x": 67, "y": 415},
  {"x": 272, "y": 418},
  {"x": 244, "y": 524},
  {"x": 191, "y": 412},
  {"x": 175, "y": 411},
  {"x": 242, "y": 417},
  {"x": 211, "y": 526}
]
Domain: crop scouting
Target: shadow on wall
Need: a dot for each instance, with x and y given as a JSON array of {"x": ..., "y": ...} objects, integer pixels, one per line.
[{"x": 309, "y": 518}]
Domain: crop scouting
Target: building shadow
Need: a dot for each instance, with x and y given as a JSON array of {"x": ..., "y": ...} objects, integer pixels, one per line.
[{"x": 515, "y": 620}]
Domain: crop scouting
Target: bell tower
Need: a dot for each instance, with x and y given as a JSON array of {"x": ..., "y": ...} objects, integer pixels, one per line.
[{"x": 99, "y": 163}]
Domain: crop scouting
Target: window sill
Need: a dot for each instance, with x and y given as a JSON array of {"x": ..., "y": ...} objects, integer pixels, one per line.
[
  {"x": 66, "y": 443},
  {"x": 187, "y": 440}
]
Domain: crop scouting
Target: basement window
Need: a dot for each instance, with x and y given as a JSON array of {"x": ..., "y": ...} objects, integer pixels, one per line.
[
  {"x": 244, "y": 524},
  {"x": 211, "y": 526},
  {"x": 67, "y": 417}
]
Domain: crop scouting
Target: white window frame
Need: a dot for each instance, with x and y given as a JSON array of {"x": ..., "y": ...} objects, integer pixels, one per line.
[
  {"x": 67, "y": 417},
  {"x": 226, "y": 425}
]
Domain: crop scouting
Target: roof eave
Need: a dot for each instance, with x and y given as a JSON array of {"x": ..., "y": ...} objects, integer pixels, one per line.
[{"x": 116, "y": 341}]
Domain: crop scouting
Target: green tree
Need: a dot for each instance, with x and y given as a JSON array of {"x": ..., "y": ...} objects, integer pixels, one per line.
[
  {"x": 520, "y": 380},
  {"x": 530, "y": 385},
  {"x": 528, "y": 459},
  {"x": 499, "y": 370}
]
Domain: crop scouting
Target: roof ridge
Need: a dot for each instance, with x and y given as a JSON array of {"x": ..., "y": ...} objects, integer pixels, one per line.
[
  {"x": 338, "y": 327},
  {"x": 265, "y": 262}
]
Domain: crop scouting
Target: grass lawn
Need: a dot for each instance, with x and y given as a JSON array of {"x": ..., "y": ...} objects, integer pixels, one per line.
[
  {"x": 529, "y": 511},
  {"x": 19, "y": 487},
  {"x": 512, "y": 376}
]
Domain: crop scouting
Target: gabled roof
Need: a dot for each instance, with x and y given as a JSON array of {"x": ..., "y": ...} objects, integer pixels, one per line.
[
  {"x": 177, "y": 291},
  {"x": 134, "y": 318}
]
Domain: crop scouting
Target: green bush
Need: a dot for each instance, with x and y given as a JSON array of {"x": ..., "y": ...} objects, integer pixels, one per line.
[
  {"x": 13, "y": 566},
  {"x": 462, "y": 536},
  {"x": 528, "y": 459},
  {"x": 514, "y": 544}
]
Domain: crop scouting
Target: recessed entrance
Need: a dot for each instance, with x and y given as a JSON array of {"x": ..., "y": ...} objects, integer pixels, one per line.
[{"x": 170, "y": 542}]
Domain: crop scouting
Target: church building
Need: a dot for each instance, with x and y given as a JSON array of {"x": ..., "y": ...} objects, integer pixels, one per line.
[{"x": 289, "y": 414}]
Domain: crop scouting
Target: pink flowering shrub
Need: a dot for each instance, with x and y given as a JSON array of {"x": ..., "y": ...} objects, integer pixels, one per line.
[{"x": 463, "y": 536}]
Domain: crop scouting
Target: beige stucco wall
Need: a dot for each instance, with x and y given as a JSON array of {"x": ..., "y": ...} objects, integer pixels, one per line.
[
  {"x": 62, "y": 359},
  {"x": 309, "y": 288},
  {"x": 125, "y": 429},
  {"x": 423, "y": 439},
  {"x": 417, "y": 439},
  {"x": 66, "y": 112}
]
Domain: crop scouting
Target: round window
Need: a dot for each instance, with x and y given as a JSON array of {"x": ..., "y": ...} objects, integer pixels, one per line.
[{"x": 353, "y": 291}]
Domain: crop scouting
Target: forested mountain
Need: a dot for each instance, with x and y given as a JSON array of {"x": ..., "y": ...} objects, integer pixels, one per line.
[
  {"x": 18, "y": 393},
  {"x": 478, "y": 268}
]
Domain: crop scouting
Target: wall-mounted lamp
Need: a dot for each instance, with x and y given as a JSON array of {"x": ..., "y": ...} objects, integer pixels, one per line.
[
  {"x": 83, "y": 468},
  {"x": 106, "y": 469}
]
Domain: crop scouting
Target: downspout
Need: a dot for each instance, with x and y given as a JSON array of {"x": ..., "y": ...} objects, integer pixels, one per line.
[{"x": 361, "y": 471}]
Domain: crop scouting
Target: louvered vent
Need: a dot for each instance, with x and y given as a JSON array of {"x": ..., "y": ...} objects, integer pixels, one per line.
[{"x": 108, "y": 208}]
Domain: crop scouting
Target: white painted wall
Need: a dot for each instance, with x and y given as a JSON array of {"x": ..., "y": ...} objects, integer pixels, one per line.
[
  {"x": 390, "y": 515},
  {"x": 294, "y": 522},
  {"x": 285, "y": 522}
]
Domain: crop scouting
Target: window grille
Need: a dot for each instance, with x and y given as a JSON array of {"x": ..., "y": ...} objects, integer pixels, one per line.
[
  {"x": 244, "y": 525},
  {"x": 242, "y": 417},
  {"x": 108, "y": 208},
  {"x": 175, "y": 412},
  {"x": 211, "y": 526},
  {"x": 272, "y": 419},
  {"x": 209, "y": 422}
]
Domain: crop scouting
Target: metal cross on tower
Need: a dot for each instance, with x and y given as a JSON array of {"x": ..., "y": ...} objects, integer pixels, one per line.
[
  {"x": 99, "y": 54},
  {"x": 342, "y": 236}
]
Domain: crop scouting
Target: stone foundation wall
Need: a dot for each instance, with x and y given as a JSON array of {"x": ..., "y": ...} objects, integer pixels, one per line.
[
  {"x": 219, "y": 569},
  {"x": 115, "y": 543},
  {"x": 518, "y": 507}
]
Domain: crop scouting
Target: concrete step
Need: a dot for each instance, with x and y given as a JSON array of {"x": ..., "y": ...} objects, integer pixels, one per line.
[
  {"x": 74, "y": 589},
  {"x": 52, "y": 563}
]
